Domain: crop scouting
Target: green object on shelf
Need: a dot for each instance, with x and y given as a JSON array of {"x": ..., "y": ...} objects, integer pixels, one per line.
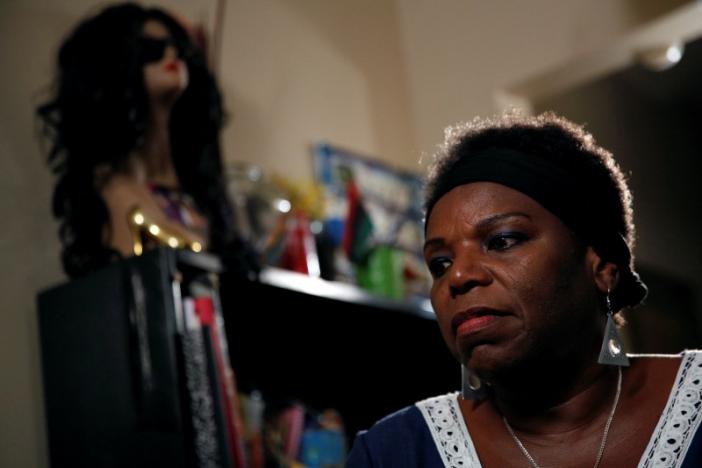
[{"x": 383, "y": 273}]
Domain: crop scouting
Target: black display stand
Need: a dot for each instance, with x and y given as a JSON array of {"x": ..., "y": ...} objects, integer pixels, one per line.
[{"x": 113, "y": 389}]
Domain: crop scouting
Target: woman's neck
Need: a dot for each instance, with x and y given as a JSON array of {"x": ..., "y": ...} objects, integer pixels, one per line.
[
  {"x": 555, "y": 399},
  {"x": 154, "y": 161}
]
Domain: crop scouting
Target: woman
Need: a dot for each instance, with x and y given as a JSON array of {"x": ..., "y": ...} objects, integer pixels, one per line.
[
  {"x": 529, "y": 239},
  {"x": 134, "y": 125}
]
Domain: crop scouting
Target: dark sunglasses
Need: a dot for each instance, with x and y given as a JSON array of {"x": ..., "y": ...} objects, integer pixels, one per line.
[{"x": 152, "y": 49}]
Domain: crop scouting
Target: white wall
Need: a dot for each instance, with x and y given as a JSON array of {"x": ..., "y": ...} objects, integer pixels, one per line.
[
  {"x": 296, "y": 72},
  {"x": 459, "y": 52},
  {"x": 28, "y": 242}
]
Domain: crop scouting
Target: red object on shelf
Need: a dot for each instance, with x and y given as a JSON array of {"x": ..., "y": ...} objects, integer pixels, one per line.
[
  {"x": 293, "y": 420},
  {"x": 204, "y": 307},
  {"x": 300, "y": 253}
]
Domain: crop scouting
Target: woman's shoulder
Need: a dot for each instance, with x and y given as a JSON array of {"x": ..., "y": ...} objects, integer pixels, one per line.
[
  {"x": 406, "y": 421},
  {"x": 399, "y": 439},
  {"x": 666, "y": 369},
  {"x": 675, "y": 437},
  {"x": 686, "y": 366},
  {"x": 670, "y": 362},
  {"x": 664, "y": 356},
  {"x": 411, "y": 418}
]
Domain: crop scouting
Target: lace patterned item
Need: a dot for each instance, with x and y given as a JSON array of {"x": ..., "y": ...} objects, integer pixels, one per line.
[
  {"x": 681, "y": 417},
  {"x": 445, "y": 421},
  {"x": 668, "y": 447}
]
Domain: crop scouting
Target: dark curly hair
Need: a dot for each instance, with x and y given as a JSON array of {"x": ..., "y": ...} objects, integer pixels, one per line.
[
  {"x": 97, "y": 116},
  {"x": 571, "y": 151}
]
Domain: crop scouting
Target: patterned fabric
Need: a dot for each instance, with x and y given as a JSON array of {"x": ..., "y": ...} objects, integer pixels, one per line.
[
  {"x": 178, "y": 206},
  {"x": 678, "y": 425},
  {"x": 433, "y": 434},
  {"x": 448, "y": 429},
  {"x": 401, "y": 440}
]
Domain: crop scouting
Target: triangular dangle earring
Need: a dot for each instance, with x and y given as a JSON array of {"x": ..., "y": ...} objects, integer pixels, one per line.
[
  {"x": 612, "y": 351},
  {"x": 472, "y": 388}
]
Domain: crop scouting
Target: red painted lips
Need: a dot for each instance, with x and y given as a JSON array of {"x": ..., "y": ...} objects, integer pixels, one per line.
[{"x": 172, "y": 66}]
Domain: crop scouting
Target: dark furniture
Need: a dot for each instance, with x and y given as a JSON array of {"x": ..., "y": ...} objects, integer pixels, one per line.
[
  {"x": 332, "y": 345},
  {"x": 112, "y": 372},
  {"x": 113, "y": 390}
]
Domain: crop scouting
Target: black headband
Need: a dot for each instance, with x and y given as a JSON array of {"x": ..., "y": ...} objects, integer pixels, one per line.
[{"x": 593, "y": 219}]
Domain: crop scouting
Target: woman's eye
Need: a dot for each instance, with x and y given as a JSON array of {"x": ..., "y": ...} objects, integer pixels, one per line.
[
  {"x": 438, "y": 266},
  {"x": 504, "y": 241}
]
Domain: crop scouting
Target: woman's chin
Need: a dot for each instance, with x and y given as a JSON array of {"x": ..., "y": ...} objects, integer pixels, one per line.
[{"x": 489, "y": 359}]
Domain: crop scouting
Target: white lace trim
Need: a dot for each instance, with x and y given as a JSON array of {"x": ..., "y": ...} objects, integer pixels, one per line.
[
  {"x": 667, "y": 448},
  {"x": 680, "y": 419},
  {"x": 448, "y": 429}
]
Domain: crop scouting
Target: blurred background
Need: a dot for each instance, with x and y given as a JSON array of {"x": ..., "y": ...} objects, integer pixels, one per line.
[{"x": 382, "y": 78}]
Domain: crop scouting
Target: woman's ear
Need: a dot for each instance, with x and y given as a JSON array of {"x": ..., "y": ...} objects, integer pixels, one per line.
[{"x": 605, "y": 274}]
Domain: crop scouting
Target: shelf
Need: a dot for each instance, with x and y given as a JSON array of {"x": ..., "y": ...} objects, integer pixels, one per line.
[
  {"x": 305, "y": 284},
  {"x": 202, "y": 260},
  {"x": 343, "y": 292}
]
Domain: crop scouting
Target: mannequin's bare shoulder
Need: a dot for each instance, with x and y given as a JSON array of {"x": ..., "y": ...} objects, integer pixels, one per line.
[{"x": 122, "y": 193}]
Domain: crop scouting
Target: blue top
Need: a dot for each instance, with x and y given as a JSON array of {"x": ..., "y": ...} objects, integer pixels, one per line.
[
  {"x": 401, "y": 440},
  {"x": 432, "y": 433}
]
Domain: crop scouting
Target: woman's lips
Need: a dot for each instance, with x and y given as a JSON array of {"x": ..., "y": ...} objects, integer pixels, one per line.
[{"x": 474, "y": 319}]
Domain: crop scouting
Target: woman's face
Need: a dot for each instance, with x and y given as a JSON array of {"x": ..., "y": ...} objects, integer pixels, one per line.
[
  {"x": 511, "y": 283},
  {"x": 165, "y": 76}
]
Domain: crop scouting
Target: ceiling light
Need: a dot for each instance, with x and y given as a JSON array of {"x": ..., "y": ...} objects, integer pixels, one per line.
[{"x": 662, "y": 57}]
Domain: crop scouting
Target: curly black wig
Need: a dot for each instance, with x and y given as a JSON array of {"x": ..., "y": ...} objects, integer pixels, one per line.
[
  {"x": 590, "y": 191},
  {"x": 97, "y": 116}
]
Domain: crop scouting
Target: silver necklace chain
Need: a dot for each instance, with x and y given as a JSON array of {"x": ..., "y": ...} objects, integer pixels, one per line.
[{"x": 600, "y": 453}]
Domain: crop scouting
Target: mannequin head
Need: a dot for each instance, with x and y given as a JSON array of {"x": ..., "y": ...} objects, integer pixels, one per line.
[
  {"x": 165, "y": 71},
  {"x": 112, "y": 70}
]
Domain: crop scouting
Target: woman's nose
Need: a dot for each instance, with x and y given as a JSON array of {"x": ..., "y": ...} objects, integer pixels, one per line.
[
  {"x": 171, "y": 52},
  {"x": 467, "y": 273}
]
